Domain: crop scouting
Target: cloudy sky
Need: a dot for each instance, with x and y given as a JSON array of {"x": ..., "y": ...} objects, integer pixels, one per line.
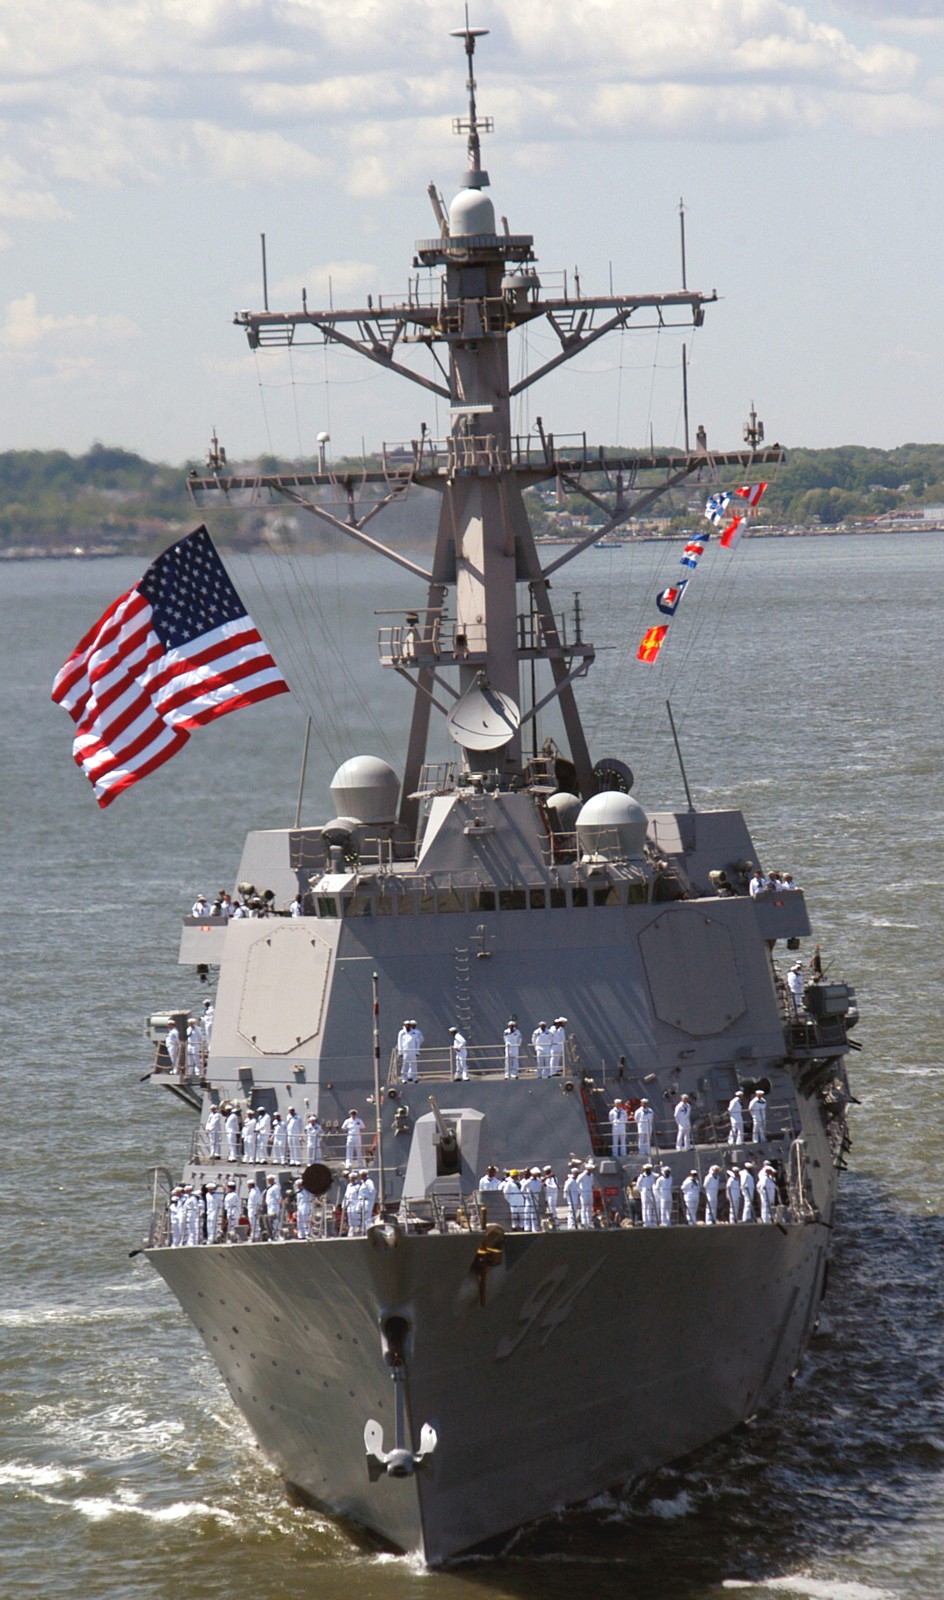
[{"x": 148, "y": 143}]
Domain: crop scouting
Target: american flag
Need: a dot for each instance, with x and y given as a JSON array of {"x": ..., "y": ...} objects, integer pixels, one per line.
[{"x": 173, "y": 653}]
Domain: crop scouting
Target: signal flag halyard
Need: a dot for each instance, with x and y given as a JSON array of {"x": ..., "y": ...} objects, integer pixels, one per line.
[
  {"x": 173, "y": 653},
  {"x": 651, "y": 643}
]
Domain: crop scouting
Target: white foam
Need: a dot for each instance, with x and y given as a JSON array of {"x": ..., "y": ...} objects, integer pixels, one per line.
[
  {"x": 680, "y": 1506},
  {"x": 24, "y": 1472},
  {"x": 99, "y": 1508},
  {"x": 75, "y": 1315},
  {"x": 797, "y": 1583}
]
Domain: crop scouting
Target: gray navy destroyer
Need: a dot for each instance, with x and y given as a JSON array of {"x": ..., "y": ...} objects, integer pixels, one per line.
[{"x": 458, "y": 1360}]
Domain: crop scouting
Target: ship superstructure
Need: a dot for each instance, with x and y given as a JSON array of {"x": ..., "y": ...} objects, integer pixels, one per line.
[{"x": 407, "y": 1371}]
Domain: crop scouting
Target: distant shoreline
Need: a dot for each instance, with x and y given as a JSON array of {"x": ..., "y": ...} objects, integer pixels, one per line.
[{"x": 106, "y": 552}]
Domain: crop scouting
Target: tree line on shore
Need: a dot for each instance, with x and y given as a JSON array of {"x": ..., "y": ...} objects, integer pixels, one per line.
[{"x": 116, "y": 500}]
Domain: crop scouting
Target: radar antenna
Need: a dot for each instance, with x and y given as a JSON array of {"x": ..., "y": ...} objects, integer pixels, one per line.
[{"x": 473, "y": 124}]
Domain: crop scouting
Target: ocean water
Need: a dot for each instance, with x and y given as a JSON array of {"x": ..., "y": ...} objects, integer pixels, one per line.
[{"x": 807, "y": 679}]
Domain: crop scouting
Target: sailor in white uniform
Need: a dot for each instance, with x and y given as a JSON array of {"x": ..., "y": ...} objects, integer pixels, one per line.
[
  {"x": 747, "y": 1193},
  {"x": 490, "y": 1181},
  {"x": 213, "y": 1129},
  {"x": 643, "y": 1118},
  {"x": 303, "y": 1208},
  {"x": 736, "y": 1114},
  {"x": 511, "y": 1189},
  {"x": 249, "y": 1137},
  {"x": 350, "y": 1202},
  {"x": 254, "y": 1212},
  {"x": 297, "y": 907},
  {"x": 645, "y": 1188},
  {"x": 796, "y": 984},
  {"x": 460, "y": 1056},
  {"x": 533, "y": 1191},
  {"x": 279, "y": 1140},
  {"x": 585, "y": 1193},
  {"x": 367, "y": 1196},
  {"x": 402, "y": 1038},
  {"x": 293, "y": 1131},
  {"x": 618, "y": 1121},
  {"x": 663, "y": 1193},
  {"x": 550, "y": 1194},
  {"x": 231, "y": 1213},
  {"x": 273, "y": 1206},
  {"x": 411, "y": 1053},
  {"x": 541, "y": 1044},
  {"x": 767, "y": 1190},
  {"x": 207, "y": 1021},
  {"x": 231, "y": 1129},
  {"x": 572, "y": 1197},
  {"x": 263, "y": 1130},
  {"x": 214, "y": 1212},
  {"x": 732, "y": 1188},
  {"x": 172, "y": 1046},
  {"x": 312, "y": 1139},
  {"x": 353, "y": 1128},
  {"x": 558, "y": 1033},
  {"x": 512, "y": 1049},
  {"x": 175, "y": 1211},
  {"x": 691, "y": 1189},
  {"x": 758, "y": 1111},
  {"x": 193, "y": 1216},
  {"x": 195, "y": 1048},
  {"x": 711, "y": 1186},
  {"x": 683, "y": 1123}
]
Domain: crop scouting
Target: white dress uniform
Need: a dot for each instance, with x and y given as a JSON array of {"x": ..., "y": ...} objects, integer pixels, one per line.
[
  {"x": 249, "y": 1137},
  {"x": 195, "y": 1050},
  {"x": 663, "y": 1193},
  {"x": 273, "y": 1206},
  {"x": 175, "y": 1213},
  {"x": 512, "y": 1050},
  {"x": 254, "y": 1211},
  {"x": 353, "y": 1127},
  {"x": 711, "y": 1185},
  {"x": 683, "y": 1122},
  {"x": 758, "y": 1111},
  {"x": 460, "y": 1055},
  {"x": 645, "y": 1188},
  {"x": 231, "y": 1213},
  {"x": 490, "y": 1181},
  {"x": 736, "y": 1114},
  {"x": 533, "y": 1191},
  {"x": 350, "y": 1201},
  {"x": 293, "y": 1131},
  {"x": 571, "y": 1199},
  {"x": 511, "y": 1189},
  {"x": 796, "y": 984},
  {"x": 279, "y": 1140},
  {"x": 410, "y": 1057},
  {"x": 231, "y": 1129},
  {"x": 207, "y": 1022},
  {"x": 643, "y": 1118},
  {"x": 263, "y": 1130},
  {"x": 213, "y": 1128},
  {"x": 367, "y": 1200},
  {"x": 691, "y": 1189},
  {"x": 297, "y": 907},
  {"x": 312, "y": 1139},
  {"x": 541, "y": 1042},
  {"x": 767, "y": 1189},
  {"x": 747, "y": 1196},
  {"x": 558, "y": 1035},
  {"x": 551, "y": 1193},
  {"x": 402, "y": 1041},
  {"x": 732, "y": 1188},
  {"x": 193, "y": 1218},
  {"x": 618, "y": 1121},
  {"x": 214, "y": 1212},
  {"x": 172, "y": 1046},
  {"x": 303, "y": 1218},
  {"x": 585, "y": 1195}
]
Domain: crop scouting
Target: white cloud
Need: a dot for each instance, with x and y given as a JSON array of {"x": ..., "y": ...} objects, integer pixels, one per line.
[{"x": 26, "y": 330}]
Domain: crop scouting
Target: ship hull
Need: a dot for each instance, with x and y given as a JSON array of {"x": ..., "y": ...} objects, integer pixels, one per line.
[{"x": 596, "y": 1357}]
